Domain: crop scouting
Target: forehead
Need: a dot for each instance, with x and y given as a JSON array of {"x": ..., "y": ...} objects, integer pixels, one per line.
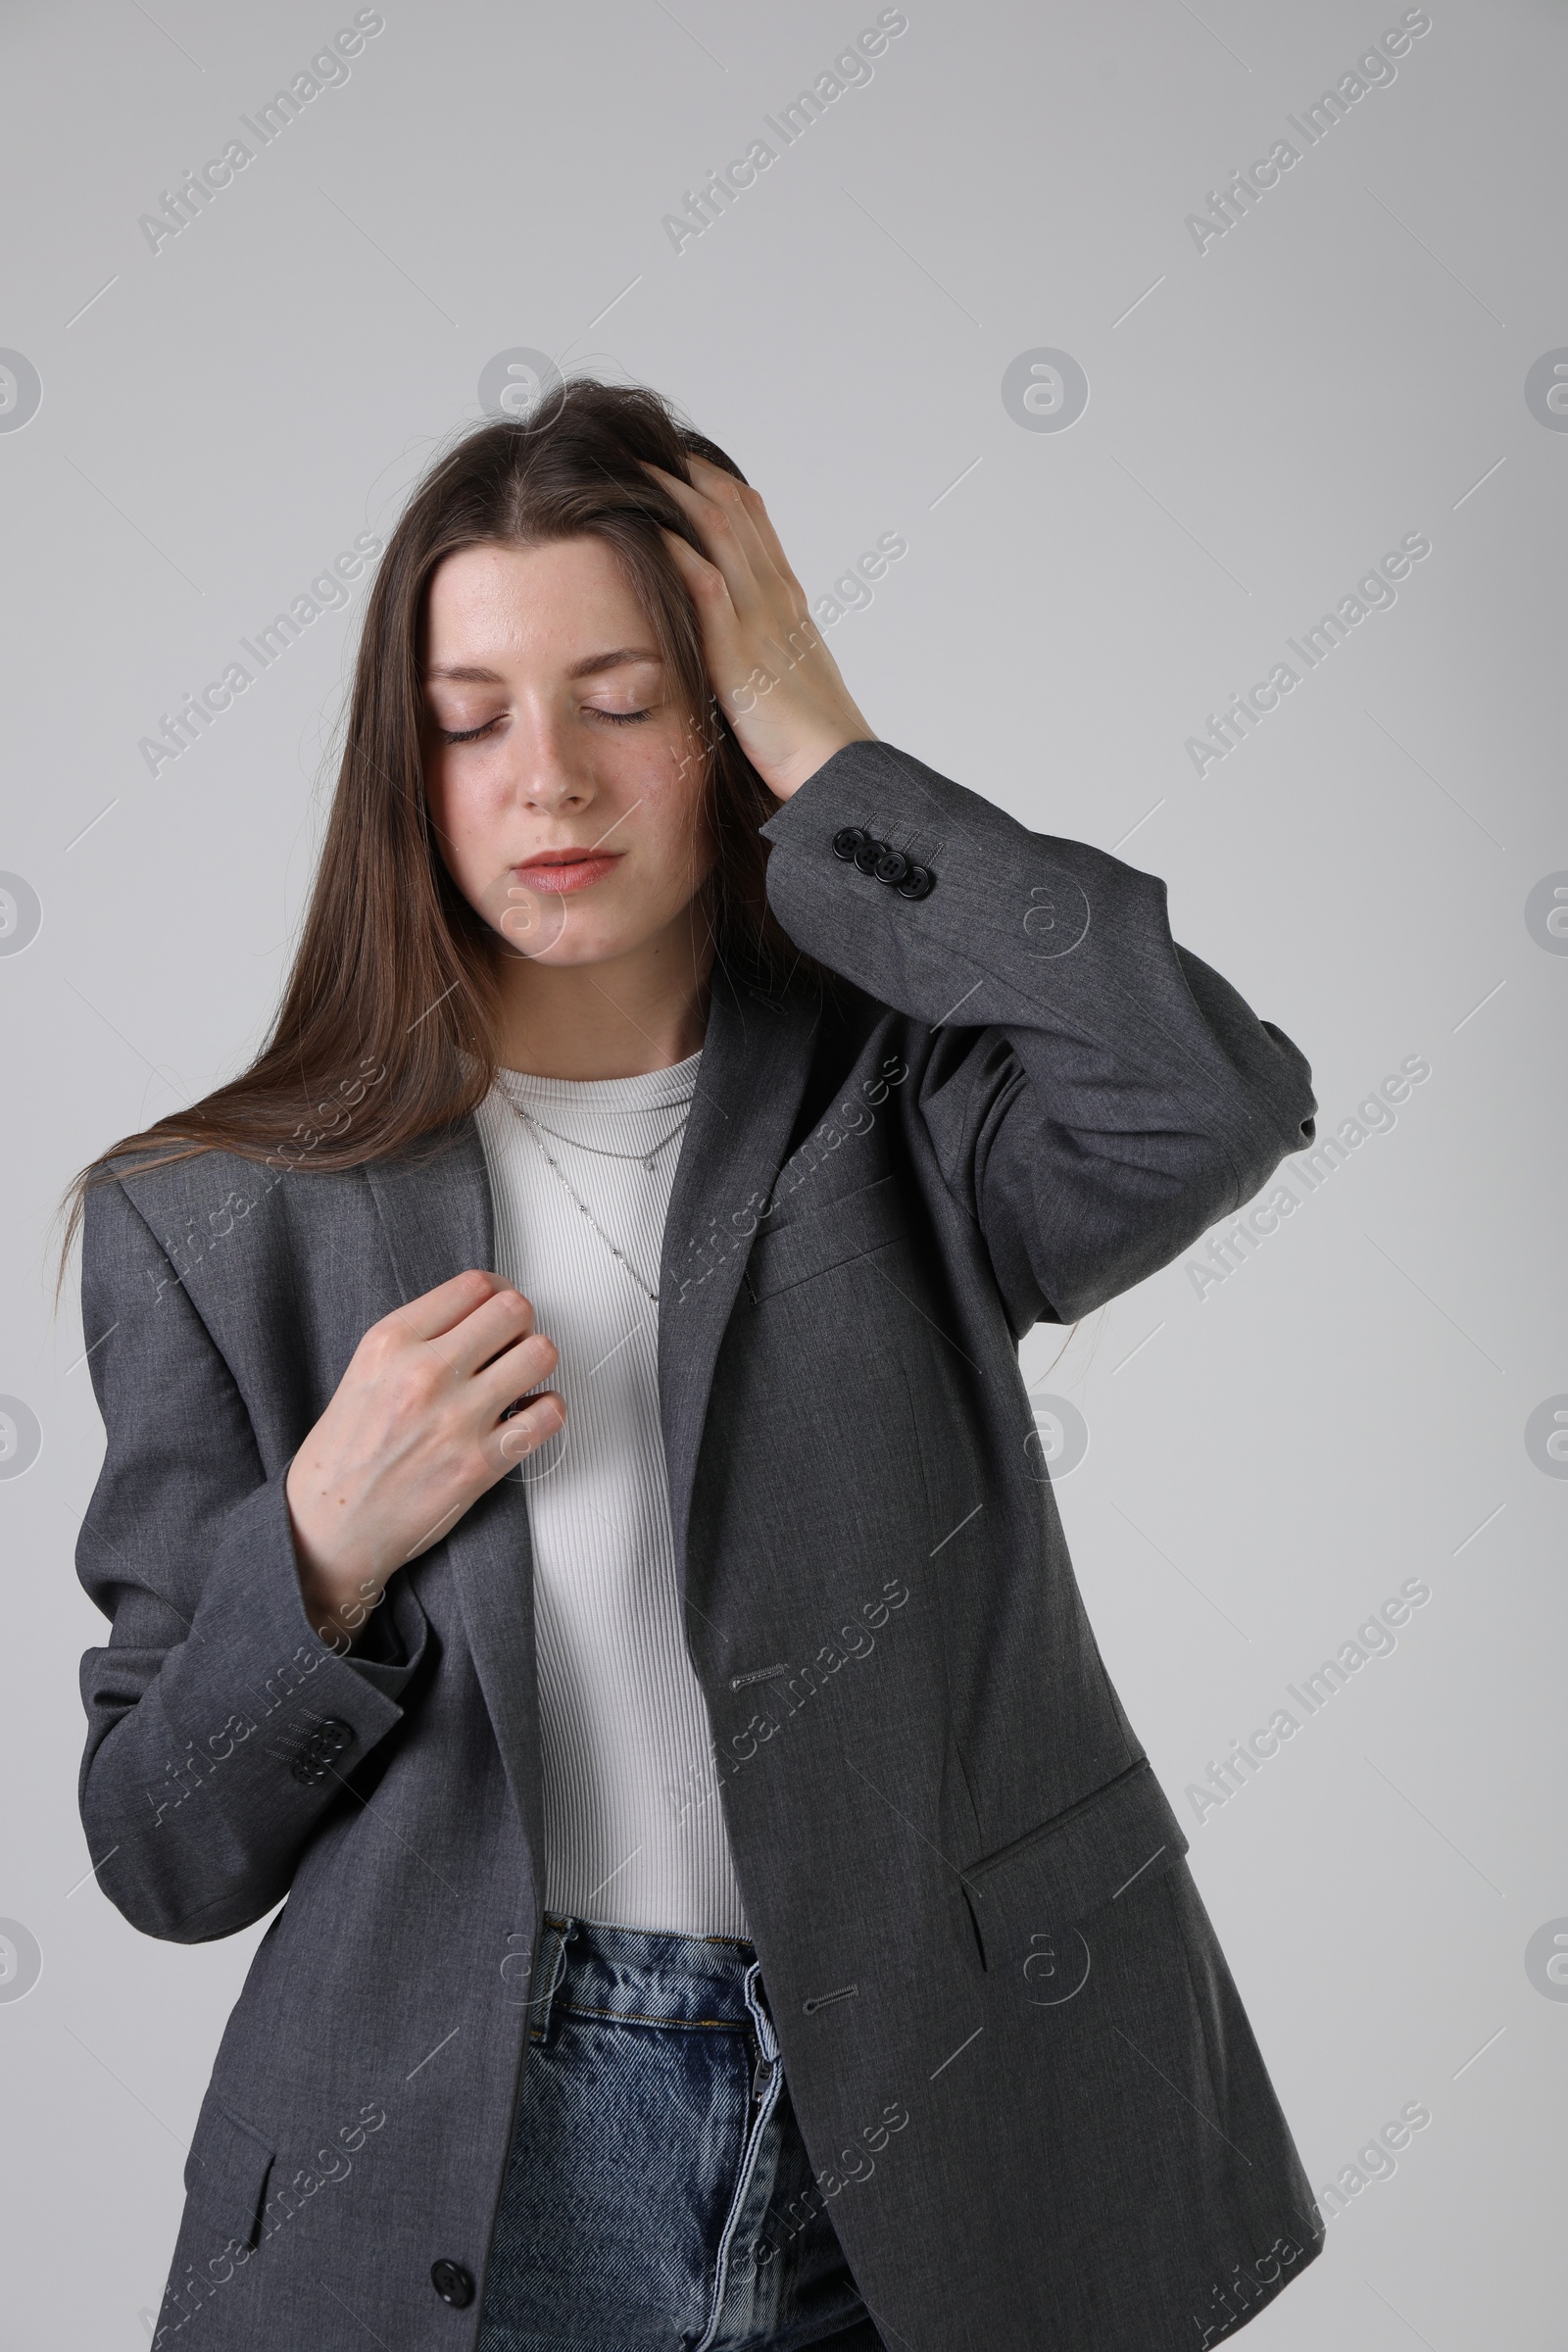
[{"x": 543, "y": 604}]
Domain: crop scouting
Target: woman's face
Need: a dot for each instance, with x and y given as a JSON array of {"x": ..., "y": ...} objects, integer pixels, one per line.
[{"x": 560, "y": 766}]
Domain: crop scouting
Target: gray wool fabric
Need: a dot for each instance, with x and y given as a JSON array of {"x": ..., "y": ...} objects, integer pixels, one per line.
[{"x": 965, "y": 1885}]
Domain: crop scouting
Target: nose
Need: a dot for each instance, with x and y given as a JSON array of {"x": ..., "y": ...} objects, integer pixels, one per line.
[{"x": 552, "y": 775}]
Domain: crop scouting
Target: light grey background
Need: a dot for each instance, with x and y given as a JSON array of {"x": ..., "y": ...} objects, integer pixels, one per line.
[{"x": 1266, "y": 1462}]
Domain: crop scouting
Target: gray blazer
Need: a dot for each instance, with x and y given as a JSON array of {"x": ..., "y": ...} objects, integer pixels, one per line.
[{"x": 963, "y": 1879}]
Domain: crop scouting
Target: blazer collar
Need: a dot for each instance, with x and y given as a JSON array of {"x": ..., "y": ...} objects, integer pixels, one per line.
[{"x": 436, "y": 1213}]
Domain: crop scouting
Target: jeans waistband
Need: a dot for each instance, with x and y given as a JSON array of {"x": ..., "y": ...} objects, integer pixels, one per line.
[{"x": 643, "y": 1974}]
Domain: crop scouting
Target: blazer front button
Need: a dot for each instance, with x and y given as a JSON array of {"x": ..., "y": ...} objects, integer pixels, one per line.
[{"x": 453, "y": 2284}]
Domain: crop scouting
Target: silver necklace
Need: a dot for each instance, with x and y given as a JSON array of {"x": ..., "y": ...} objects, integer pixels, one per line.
[
  {"x": 613, "y": 1247},
  {"x": 602, "y": 1150}
]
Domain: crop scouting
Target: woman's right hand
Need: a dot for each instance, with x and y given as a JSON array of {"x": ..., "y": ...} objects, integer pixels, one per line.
[{"x": 412, "y": 1437}]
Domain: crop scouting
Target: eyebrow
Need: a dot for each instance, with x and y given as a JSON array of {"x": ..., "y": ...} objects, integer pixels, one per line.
[{"x": 465, "y": 674}]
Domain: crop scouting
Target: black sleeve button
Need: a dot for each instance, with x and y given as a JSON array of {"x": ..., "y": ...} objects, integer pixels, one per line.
[
  {"x": 917, "y": 883},
  {"x": 847, "y": 840},
  {"x": 326, "y": 1742},
  {"x": 453, "y": 2284},
  {"x": 869, "y": 851},
  {"x": 892, "y": 866}
]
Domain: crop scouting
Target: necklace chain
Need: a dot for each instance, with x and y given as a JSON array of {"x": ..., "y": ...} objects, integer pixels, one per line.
[
  {"x": 613, "y": 1247},
  {"x": 601, "y": 1151}
]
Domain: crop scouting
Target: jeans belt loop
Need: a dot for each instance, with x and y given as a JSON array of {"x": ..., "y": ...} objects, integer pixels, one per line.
[
  {"x": 552, "y": 1949},
  {"x": 766, "y": 2039}
]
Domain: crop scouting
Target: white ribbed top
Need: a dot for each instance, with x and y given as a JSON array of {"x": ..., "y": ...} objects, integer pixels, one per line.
[{"x": 634, "y": 1832}]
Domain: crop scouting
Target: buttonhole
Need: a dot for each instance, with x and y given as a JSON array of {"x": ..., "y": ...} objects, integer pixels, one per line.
[{"x": 821, "y": 2000}]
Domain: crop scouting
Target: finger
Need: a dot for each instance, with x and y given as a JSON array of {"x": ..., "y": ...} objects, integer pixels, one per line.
[
  {"x": 443, "y": 1309},
  {"x": 728, "y": 542},
  {"x": 505, "y": 1346},
  {"x": 734, "y": 671},
  {"x": 498, "y": 1322},
  {"x": 528, "y": 1431},
  {"x": 779, "y": 596},
  {"x": 762, "y": 523},
  {"x": 747, "y": 517},
  {"x": 709, "y": 593},
  {"x": 513, "y": 1374},
  {"x": 703, "y": 577}
]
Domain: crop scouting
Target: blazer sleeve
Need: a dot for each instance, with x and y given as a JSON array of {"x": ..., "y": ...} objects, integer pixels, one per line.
[
  {"x": 220, "y": 1728},
  {"x": 1096, "y": 1097}
]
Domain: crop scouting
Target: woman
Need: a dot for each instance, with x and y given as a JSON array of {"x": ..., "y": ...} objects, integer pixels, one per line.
[{"x": 583, "y": 1540}]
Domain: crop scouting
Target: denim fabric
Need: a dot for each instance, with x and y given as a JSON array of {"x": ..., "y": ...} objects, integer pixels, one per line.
[{"x": 655, "y": 2148}]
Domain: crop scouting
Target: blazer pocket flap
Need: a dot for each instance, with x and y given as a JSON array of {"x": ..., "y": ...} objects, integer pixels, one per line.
[
  {"x": 225, "y": 2173},
  {"x": 826, "y": 1237},
  {"x": 1093, "y": 1854}
]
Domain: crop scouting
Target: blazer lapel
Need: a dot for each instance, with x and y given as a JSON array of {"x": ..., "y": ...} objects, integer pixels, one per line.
[
  {"x": 756, "y": 1053},
  {"x": 438, "y": 1220}
]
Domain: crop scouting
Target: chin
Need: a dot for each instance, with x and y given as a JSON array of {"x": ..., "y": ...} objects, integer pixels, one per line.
[{"x": 584, "y": 941}]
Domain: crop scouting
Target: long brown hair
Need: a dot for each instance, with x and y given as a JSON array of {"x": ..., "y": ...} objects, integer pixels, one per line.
[{"x": 388, "y": 1026}]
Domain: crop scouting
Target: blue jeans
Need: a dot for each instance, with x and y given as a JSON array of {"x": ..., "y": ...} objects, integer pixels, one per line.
[{"x": 655, "y": 2152}]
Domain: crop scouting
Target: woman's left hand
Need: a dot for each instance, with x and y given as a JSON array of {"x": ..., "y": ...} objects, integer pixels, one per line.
[{"x": 776, "y": 682}]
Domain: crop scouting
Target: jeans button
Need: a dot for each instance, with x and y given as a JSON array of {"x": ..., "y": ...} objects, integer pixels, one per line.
[{"x": 453, "y": 2284}]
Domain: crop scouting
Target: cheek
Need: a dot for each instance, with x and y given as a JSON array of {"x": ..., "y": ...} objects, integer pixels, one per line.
[
  {"x": 462, "y": 808},
  {"x": 674, "y": 814},
  {"x": 438, "y": 800},
  {"x": 469, "y": 806}
]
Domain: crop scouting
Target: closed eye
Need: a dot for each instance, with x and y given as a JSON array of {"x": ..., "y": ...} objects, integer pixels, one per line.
[
  {"x": 616, "y": 718},
  {"x": 469, "y": 735}
]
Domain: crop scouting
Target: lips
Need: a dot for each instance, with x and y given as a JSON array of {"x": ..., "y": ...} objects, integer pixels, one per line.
[{"x": 564, "y": 870}]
